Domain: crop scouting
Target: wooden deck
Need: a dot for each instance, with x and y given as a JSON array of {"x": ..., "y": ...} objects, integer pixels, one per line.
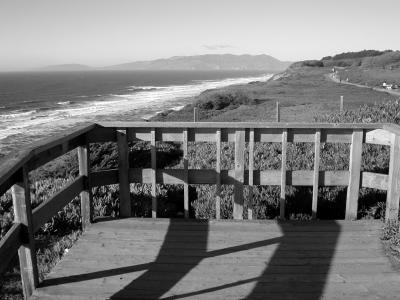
[{"x": 177, "y": 259}]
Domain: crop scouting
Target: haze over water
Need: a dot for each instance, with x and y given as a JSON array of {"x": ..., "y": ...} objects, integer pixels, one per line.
[{"x": 36, "y": 104}]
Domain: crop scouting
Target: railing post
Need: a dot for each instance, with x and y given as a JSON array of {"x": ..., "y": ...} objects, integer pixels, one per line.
[
  {"x": 153, "y": 173},
  {"x": 186, "y": 174},
  {"x": 86, "y": 194},
  {"x": 27, "y": 253},
  {"x": 239, "y": 174},
  {"x": 354, "y": 175},
  {"x": 195, "y": 114},
  {"x": 282, "y": 202},
  {"x": 123, "y": 175},
  {"x": 251, "y": 175},
  {"x": 317, "y": 149},
  {"x": 218, "y": 171},
  {"x": 393, "y": 193}
]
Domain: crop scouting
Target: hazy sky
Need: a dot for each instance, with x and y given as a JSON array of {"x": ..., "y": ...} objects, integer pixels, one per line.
[{"x": 35, "y": 33}]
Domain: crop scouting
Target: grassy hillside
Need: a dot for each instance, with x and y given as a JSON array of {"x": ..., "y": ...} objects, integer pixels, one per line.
[{"x": 304, "y": 92}]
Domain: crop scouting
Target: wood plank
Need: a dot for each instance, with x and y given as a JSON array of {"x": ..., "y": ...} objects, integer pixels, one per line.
[
  {"x": 123, "y": 175},
  {"x": 374, "y": 180},
  {"x": 41, "y": 157},
  {"x": 186, "y": 173},
  {"x": 218, "y": 175},
  {"x": 9, "y": 246},
  {"x": 283, "y": 175},
  {"x": 153, "y": 173},
  {"x": 354, "y": 177},
  {"x": 46, "y": 210},
  {"x": 86, "y": 194},
  {"x": 317, "y": 149},
  {"x": 378, "y": 136},
  {"x": 393, "y": 192},
  {"x": 241, "y": 125},
  {"x": 239, "y": 174},
  {"x": 209, "y": 176},
  {"x": 336, "y": 135},
  {"x": 251, "y": 174},
  {"x": 27, "y": 254}
]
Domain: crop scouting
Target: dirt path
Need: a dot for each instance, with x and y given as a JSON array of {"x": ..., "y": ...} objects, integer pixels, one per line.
[{"x": 395, "y": 93}]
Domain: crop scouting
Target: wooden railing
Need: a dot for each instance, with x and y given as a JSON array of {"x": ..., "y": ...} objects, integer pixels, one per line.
[{"x": 14, "y": 172}]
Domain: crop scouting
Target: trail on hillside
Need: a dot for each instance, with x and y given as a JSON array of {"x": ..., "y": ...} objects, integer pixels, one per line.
[{"x": 329, "y": 76}]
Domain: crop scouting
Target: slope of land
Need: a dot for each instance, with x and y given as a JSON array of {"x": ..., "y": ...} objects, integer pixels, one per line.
[
  {"x": 208, "y": 62},
  {"x": 303, "y": 92}
]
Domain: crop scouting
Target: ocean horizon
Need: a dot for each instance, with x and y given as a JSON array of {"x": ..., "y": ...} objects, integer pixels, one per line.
[{"x": 34, "y": 105}]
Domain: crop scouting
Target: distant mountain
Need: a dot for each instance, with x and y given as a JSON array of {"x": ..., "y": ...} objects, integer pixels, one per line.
[
  {"x": 208, "y": 62},
  {"x": 67, "y": 67}
]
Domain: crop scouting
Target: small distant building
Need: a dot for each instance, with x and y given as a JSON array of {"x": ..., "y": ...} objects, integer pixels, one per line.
[{"x": 387, "y": 86}]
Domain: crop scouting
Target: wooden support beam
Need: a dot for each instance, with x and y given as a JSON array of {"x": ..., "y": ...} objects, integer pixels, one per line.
[
  {"x": 186, "y": 174},
  {"x": 353, "y": 189},
  {"x": 86, "y": 194},
  {"x": 251, "y": 175},
  {"x": 239, "y": 174},
  {"x": 393, "y": 193},
  {"x": 218, "y": 171},
  {"x": 123, "y": 175},
  {"x": 23, "y": 214},
  {"x": 153, "y": 173},
  {"x": 317, "y": 146},
  {"x": 282, "y": 202}
]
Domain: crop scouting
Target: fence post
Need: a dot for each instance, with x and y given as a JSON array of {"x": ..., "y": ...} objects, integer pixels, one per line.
[
  {"x": 341, "y": 103},
  {"x": 393, "y": 193},
  {"x": 278, "y": 112},
  {"x": 23, "y": 214},
  {"x": 239, "y": 174},
  {"x": 282, "y": 201},
  {"x": 86, "y": 194},
  {"x": 186, "y": 173},
  {"x": 195, "y": 114},
  {"x": 354, "y": 177},
  {"x": 123, "y": 175}
]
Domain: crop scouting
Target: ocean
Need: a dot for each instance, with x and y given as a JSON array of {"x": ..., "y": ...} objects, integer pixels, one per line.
[{"x": 34, "y": 105}]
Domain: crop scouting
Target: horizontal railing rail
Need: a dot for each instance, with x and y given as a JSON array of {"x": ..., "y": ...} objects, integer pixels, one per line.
[{"x": 14, "y": 173}]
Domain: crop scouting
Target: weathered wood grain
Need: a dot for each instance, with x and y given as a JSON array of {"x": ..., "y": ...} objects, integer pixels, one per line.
[
  {"x": 218, "y": 176},
  {"x": 353, "y": 189},
  {"x": 224, "y": 259},
  {"x": 123, "y": 175},
  {"x": 393, "y": 192},
  {"x": 251, "y": 176},
  {"x": 239, "y": 174},
  {"x": 317, "y": 150},
  {"x": 27, "y": 253},
  {"x": 282, "y": 200},
  {"x": 86, "y": 194},
  {"x": 153, "y": 173},
  {"x": 185, "y": 174}
]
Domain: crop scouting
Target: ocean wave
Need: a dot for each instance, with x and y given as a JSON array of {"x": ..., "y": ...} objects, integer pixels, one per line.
[
  {"x": 64, "y": 102},
  {"x": 144, "y": 104},
  {"x": 18, "y": 114}
]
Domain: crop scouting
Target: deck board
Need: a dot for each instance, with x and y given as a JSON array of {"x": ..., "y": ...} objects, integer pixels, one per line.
[{"x": 176, "y": 259}]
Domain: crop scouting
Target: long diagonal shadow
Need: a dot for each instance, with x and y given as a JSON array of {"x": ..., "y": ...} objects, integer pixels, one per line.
[{"x": 286, "y": 262}]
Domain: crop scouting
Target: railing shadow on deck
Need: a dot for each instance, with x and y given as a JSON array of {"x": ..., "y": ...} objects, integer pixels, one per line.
[{"x": 309, "y": 278}]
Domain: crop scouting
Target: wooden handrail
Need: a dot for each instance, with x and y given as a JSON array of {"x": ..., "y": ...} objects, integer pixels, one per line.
[{"x": 16, "y": 167}]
